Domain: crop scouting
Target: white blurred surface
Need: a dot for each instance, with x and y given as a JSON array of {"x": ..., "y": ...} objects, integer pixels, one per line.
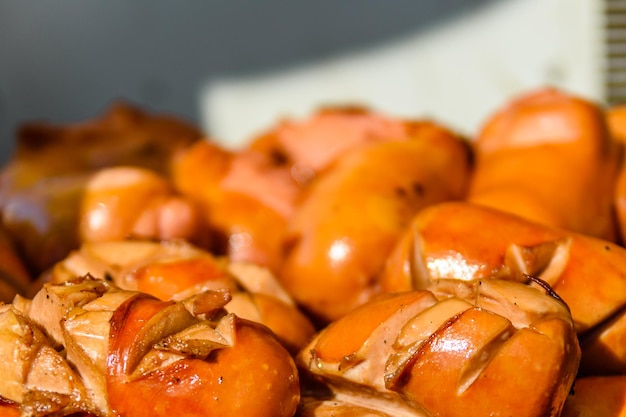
[{"x": 456, "y": 74}]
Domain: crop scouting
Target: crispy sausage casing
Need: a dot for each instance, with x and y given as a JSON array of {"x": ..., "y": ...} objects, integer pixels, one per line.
[
  {"x": 177, "y": 270},
  {"x": 485, "y": 347},
  {"x": 460, "y": 240},
  {"x": 125, "y": 353}
]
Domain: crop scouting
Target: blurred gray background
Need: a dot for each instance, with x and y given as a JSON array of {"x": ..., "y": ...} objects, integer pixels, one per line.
[{"x": 65, "y": 61}]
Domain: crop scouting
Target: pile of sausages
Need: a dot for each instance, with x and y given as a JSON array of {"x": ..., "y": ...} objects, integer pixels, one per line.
[{"x": 347, "y": 264}]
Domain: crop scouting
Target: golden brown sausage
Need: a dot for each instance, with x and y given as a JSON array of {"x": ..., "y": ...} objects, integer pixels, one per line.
[
  {"x": 479, "y": 348},
  {"x": 177, "y": 270},
  {"x": 460, "y": 240},
  {"x": 129, "y": 354},
  {"x": 131, "y": 202},
  {"x": 351, "y": 216},
  {"x": 548, "y": 156},
  {"x": 244, "y": 198}
]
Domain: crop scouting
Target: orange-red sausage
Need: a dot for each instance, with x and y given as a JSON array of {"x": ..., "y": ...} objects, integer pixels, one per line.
[
  {"x": 130, "y": 202},
  {"x": 308, "y": 146},
  {"x": 350, "y": 218},
  {"x": 244, "y": 198},
  {"x": 616, "y": 118},
  {"x": 177, "y": 270},
  {"x": 601, "y": 396},
  {"x": 548, "y": 156},
  {"x": 464, "y": 241},
  {"x": 465, "y": 350}
]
